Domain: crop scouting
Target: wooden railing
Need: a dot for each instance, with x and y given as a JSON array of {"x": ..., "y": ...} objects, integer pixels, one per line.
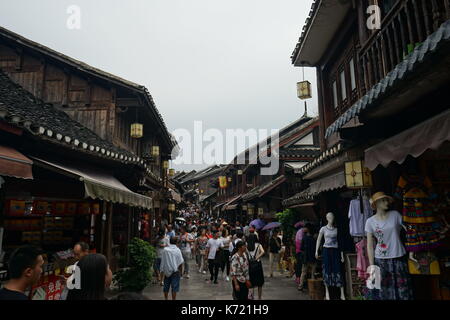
[{"x": 406, "y": 26}]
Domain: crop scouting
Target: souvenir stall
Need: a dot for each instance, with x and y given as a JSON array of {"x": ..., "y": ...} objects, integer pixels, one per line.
[
  {"x": 38, "y": 213},
  {"x": 414, "y": 167}
]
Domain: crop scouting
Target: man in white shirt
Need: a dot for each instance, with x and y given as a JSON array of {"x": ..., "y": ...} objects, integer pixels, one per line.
[
  {"x": 213, "y": 248},
  {"x": 171, "y": 264}
]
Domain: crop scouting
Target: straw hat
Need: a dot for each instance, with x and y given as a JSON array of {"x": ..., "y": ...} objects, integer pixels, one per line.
[{"x": 377, "y": 196}]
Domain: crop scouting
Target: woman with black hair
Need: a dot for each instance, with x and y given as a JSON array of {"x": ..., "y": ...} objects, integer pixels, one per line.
[
  {"x": 255, "y": 252},
  {"x": 240, "y": 272},
  {"x": 95, "y": 277}
]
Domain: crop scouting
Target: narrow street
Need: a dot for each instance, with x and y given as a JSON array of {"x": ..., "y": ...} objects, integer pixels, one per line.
[{"x": 196, "y": 288}]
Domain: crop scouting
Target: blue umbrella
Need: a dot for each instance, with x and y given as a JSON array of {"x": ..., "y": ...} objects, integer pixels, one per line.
[
  {"x": 258, "y": 224},
  {"x": 272, "y": 225}
]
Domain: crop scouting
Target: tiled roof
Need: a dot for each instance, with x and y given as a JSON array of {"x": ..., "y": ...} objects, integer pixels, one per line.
[
  {"x": 400, "y": 72},
  {"x": 84, "y": 67},
  {"x": 306, "y": 26},
  {"x": 262, "y": 189},
  {"x": 299, "y": 152},
  {"x": 20, "y": 108},
  {"x": 299, "y": 198},
  {"x": 325, "y": 156}
]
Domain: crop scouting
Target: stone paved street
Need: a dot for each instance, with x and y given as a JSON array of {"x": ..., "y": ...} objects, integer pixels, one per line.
[{"x": 196, "y": 288}]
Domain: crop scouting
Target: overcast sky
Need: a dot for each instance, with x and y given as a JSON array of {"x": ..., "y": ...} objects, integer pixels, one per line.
[{"x": 226, "y": 63}]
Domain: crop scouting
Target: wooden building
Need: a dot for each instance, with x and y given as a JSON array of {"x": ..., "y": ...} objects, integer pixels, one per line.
[
  {"x": 104, "y": 103},
  {"x": 383, "y": 106}
]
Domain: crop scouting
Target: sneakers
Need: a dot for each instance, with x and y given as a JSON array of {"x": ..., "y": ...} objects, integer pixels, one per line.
[
  {"x": 204, "y": 272},
  {"x": 186, "y": 276},
  {"x": 228, "y": 279},
  {"x": 199, "y": 270}
]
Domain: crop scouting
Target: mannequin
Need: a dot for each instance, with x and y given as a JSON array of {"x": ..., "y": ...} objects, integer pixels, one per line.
[
  {"x": 389, "y": 252},
  {"x": 332, "y": 257}
]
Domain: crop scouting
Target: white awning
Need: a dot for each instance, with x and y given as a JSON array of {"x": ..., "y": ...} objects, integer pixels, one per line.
[
  {"x": 331, "y": 182},
  {"x": 99, "y": 184}
]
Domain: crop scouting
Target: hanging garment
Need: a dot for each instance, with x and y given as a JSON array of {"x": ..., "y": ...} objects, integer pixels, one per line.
[
  {"x": 357, "y": 218},
  {"x": 422, "y": 225},
  {"x": 362, "y": 261}
]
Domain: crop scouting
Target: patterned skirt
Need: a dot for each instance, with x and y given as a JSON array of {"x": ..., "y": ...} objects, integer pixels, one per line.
[
  {"x": 395, "y": 281},
  {"x": 331, "y": 267}
]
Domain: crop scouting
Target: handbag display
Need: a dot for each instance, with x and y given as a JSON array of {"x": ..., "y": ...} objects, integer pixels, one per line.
[{"x": 427, "y": 264}]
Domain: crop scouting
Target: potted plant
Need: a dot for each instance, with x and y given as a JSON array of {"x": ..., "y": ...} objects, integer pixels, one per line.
[{"x": 138, "y": 274}]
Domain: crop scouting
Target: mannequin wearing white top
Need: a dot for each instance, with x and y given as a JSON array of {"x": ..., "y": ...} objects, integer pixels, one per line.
[
  {"x": 330, "y": 226},
  {"x": 382, "y": 214}
]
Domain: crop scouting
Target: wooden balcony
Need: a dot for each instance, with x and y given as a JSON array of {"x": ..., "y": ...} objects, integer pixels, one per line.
[{"x": 406, "y": 26}]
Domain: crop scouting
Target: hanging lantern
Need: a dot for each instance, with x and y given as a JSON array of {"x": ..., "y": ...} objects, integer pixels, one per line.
[
  {"x": 239, "y": 172},
  {"x": 171, "y": 172},
  {"x": 137, "y": 130},
  {"x": 356, "y": 175},
  {"x": 260, "y": 211},
  {"x": 171, "y": 207},
  {"x": 155, "y": 151},
  {"x": 244, "y": 207},
  {"x": 165, "y": 164},
  {"x": 222, "y": 182},
  {"x": 250, "y": 211},
  {"x": 304, "y": 90},
  {"x": 229, "y": 179}
]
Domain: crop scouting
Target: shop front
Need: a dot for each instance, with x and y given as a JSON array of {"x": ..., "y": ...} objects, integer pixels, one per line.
[
  {"x": 62, "y": 204},
  {"x": 414, "y": 167}
]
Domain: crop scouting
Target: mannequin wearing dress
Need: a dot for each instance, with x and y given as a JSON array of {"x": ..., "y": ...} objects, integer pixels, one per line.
[
  {"x": 329, "y": 232},
  {"x": 389, "y": 252}
]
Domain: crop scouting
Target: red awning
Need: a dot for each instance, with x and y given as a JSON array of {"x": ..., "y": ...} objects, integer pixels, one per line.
[{"x": 15, "y": 164}]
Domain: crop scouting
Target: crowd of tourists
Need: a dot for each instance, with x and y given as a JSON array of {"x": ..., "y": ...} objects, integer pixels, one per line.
[
  {"x": 215, "y": 249},
  {"x": 231, "y": 253}
]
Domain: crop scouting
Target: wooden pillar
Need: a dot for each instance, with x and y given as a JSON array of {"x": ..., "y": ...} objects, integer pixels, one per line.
[
  {"x": 103, "y": 228},
  {"x": 108, "y": 233}
]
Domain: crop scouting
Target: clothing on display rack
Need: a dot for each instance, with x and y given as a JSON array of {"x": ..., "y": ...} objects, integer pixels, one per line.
[
  {"x": 362, "y": 260},
  {"x": 357, "y": 218},
  {"x": 423, "y": 227}
]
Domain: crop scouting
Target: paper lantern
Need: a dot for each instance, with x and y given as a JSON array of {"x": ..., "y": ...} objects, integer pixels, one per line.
[
  {"x": 137, "y": 130},
  {"x": 250, "y": 211},
  {"x": 166, "y": 164},
  {"x": 304, "y": 90},
  {"x": 155, "y": 151},
  {"x": 356, "y": 175},
  {"x": 229, "y": 179},
  {"x": 171, "y": 172},
  {"x": 222, "y": 182},
  {"x": 239, "y": 172},
  {"x": 171, "y": 207}
]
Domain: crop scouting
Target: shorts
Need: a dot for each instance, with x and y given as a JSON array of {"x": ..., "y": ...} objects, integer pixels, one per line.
[
  {"x": 157, "y": 264},
  {"x": 172, "y": 281}
]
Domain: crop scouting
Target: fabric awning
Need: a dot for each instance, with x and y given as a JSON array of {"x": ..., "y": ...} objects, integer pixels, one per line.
[
  {"x": 331, "y": 182},
  {"x": 15, "y": 164},
  {"x": 430, "y": 134},
  {"x": 99, "y": 184}
]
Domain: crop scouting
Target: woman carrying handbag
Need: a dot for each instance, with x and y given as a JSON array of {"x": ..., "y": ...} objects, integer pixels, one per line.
[{"x": 255, "y": 252}]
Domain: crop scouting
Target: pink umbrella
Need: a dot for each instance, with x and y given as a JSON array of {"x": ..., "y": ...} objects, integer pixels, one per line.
[{"x": 299, "y": 224}]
